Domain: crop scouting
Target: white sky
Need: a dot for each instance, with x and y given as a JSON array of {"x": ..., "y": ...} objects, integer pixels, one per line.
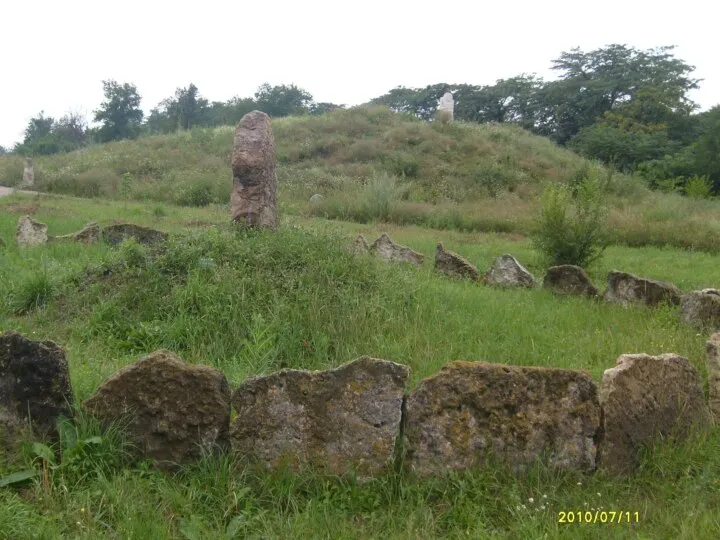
[{"x": 55, "y": 54}]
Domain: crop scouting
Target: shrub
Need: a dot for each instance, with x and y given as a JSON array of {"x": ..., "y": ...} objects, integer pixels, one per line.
[
  {"x": 699, "y": 187},
  {"x": 195, "y": 194},
  {"x": 571, "y": 229},
  {"x": 33, "y": 292},
  {"x": 380, "y": 195}
]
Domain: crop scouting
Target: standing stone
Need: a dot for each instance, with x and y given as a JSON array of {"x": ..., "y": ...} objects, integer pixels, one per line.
[
  {"x": 713, "y": 369},
  {"x": 90, "y": 234},
  {"x": 174, "y": 410},
  {"x": 34, "y": 384},
  {"x": 317, "y": 199},
  {"x": 28, "y": 174},
  {"x": 624, "y": 288},
  {"x": 569, "y": 279},
  {"x": 644, "y": 399},
  {"x": 359, "y": 246},
  {"x": 473, "y": 411},
  {"x": 30, "y": 232},
  {"x": 506, "y": 271},
  {"x": 341, "y": 420},
  {"x": 116, "y": 234},
  {"x": 701, "y": 309},
  {"x": 254, "y": 190},
  {"x": 452, "y": 264},
  {"x": 389, "y": 251},
  {"x": 447, "y": 106}
]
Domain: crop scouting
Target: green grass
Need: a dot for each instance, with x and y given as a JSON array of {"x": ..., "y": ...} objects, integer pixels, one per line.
[
  {"x": 252, "y": 302},
  {"x": 372, "y": 164}
]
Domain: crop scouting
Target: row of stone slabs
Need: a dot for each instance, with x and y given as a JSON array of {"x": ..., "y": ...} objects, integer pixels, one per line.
[
  {"x": 354, "y": 417},
  {"x": 698, "y": 308}
]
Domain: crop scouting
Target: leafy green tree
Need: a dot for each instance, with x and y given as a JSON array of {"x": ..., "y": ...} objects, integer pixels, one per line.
[
  {"x": 3, "y": 150},
  {"x": 186, "y": 109},
  {"x": 706, "y": 150},
  {"x": 598, "y": 81},
  {"x": 120, "y": 113},
  {"x": 282, "y": 100},
  {"x": 72, "y": 128}
]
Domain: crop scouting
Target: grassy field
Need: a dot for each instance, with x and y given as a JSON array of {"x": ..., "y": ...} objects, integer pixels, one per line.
[
  {"x": 249, "y": 303},
  {"x": 371, "y": 164}
]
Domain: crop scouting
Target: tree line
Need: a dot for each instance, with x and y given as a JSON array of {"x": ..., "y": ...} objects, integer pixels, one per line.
[{"x": 627, "y": 107}]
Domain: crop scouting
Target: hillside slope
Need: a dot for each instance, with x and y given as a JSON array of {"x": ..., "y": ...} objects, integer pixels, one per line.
[
  {"x": 315, "y": 154},
  {"x": 374, "y": 165}
]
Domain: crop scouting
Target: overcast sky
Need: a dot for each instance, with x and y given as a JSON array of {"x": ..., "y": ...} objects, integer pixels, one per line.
[{"x": 55, "y": 54}]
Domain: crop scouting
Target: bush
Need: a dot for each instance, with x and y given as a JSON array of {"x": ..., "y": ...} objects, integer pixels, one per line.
[
  {"x": 699, "y": 187},
  {"x": 571, "y": 228},
  {"x": 380, "y": 195}
]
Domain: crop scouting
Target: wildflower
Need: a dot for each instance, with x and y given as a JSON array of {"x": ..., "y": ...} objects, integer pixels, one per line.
[
  {"x": 544, "y": 496},
  {"x": 579, "y": 483},
  {"x": 531, "y": 500}
]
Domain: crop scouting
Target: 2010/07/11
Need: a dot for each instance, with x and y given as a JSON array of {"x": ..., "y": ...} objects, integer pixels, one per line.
[{"x": 598, "y": 516}]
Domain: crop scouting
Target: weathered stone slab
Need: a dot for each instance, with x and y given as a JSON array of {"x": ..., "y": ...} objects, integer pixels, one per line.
[
  {"x": 90, "y": 234},
  {"x": 254, "y": 190},
  {"x": 317, "y": 198},
  {"x": 30, "y": 232},
  {"x": 624, "y": 288},
  {"x": 472, "y": 411},
  {"x": 701, "y": 309},
  {"x": 450, "y": 263},
  {"x": 34, "y": 384},
  {"x": 116, "y": 234},
  {"x": 341, "y": 420},
  {"x": 28, "y": 174},
  {"x": 359, "y": 245},
  {"x": 174, "y": 410},
  {"x": 644, "y": 399},
  {"x": 389, "y": 251},
  {"x": 713, "y": 370},
  {"x": 569, "y": 279},
  {"x": 506, "y": 271}
]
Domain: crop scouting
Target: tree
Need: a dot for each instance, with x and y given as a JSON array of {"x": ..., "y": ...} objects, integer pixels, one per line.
[
  {"x": 38, "y": 127},
  {"x": 72, "y": 128},
  {"x": 282, "y": 100},
  {"x": 3, "y": 150},
  {"x": 120, "y": 113},
  {"x": 596, "y": 82},
  {"x": 186, "y": 109}
]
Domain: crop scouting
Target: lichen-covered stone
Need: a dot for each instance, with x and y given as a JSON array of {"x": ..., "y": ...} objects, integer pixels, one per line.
[
  {"x": 340, "y": 420},
  {"x": 359, "y": 245},
  {"x": 644, "y": 399},
  {"x": 34, "y": 384},
  {"x": 30, "y": 232},
  {"x": 388, "y": 251},
  {"x": 116, "y": 234},
  {"x": 713, "y": 371},
  {"x": 174, "y": 410},
  {"x": 624, "y": 288},
  {"x": 473, "y": 411},
  {"x": 701, "y": 309},
  {"x": 450, "y": 263},
  {"x": 253, "y": 199},
  {"x": 506, "y": 271},
  {"x": 89, "y": 234},
  {"x": 569, "y": 279}
]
